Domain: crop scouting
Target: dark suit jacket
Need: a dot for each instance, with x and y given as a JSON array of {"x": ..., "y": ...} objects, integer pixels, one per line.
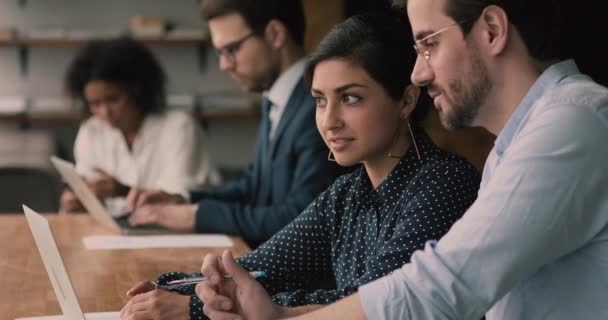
[{"x": 286, "y": 175}]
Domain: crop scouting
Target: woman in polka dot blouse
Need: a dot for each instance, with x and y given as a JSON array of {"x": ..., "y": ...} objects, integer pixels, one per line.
[{"x": 369, "y": 222}]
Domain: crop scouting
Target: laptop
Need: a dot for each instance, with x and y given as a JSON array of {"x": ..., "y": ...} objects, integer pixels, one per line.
[
  {"x": 55, "y": 268},
  {"x": 94, "y": 206}
]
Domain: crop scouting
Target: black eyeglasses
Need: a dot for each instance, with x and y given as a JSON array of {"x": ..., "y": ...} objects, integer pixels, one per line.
[{"x": 233, "y": 47}]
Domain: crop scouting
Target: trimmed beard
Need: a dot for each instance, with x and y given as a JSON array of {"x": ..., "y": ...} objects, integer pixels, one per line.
[{"x": 469, "y": 94}]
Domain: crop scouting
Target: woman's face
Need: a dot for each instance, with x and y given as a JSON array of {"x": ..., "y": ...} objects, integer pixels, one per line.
[
  {"x": 110, "y": 102},
  {"x": 356, "y": 117}
]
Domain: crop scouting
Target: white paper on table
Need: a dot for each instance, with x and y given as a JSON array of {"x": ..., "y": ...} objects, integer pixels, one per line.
[
  {"x": 88, "y": 316},
  {"x": 160, "y": 241}
]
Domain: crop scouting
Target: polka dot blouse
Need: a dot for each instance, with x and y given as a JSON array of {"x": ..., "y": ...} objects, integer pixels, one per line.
[{"x": 352, "y": 234}]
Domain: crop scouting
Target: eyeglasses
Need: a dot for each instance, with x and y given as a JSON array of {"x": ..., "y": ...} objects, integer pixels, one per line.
[
  {"x": 423, "y": 48},
  {"x": 233, "y": 47}
]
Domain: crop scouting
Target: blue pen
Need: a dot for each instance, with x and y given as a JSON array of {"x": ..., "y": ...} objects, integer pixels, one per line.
[{"x": 178, "y": 283}]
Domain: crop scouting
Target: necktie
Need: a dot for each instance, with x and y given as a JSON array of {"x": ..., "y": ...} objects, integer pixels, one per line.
[{"x": 266, "y": 106}]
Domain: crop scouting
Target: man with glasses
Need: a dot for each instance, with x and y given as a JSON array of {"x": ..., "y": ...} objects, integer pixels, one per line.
[
  {"x": 534, "y": 245},
  {"x": 260, "y": 44}
]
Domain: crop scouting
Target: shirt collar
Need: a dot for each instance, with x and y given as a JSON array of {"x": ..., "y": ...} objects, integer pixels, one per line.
[
  {"x": 281, "y": 89},
  {"x": 547, "y": 80},
  {"x": 405, "y": 169}
]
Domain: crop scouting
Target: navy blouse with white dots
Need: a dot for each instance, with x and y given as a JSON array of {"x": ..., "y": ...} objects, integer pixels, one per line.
[{"x": 352, "y": 234}]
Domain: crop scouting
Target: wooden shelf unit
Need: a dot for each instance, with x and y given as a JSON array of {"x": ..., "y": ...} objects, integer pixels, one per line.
[
  {"x": 69, "y": 42},
  {"x": 63, "y": 118},
  {"x": 24, "y": 44}
]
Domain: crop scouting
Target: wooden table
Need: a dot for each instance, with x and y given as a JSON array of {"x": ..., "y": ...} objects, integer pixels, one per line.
[{"x": 100, "y": 277}]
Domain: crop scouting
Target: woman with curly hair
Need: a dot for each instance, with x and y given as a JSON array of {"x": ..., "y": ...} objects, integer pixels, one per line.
[{"x": 131, "y": 139}]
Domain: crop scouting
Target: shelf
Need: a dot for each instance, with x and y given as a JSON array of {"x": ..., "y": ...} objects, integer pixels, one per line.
[
  {"x": 67, "y": 118},
  {"x": 23, "y": 44},
  {"x": 8, "y": 43},
  {"x": 67, "y": 42},
  {"x": 237, "y": 114},
  {"x": 58, "y": 118}
]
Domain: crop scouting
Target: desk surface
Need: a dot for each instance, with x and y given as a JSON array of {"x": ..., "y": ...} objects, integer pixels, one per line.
[{"x": 100, "y": 277}]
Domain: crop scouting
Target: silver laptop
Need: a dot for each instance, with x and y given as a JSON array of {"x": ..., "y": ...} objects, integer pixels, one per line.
[
  {"x": 94, "y": 206},
  {"x": 55, "y": 268}
]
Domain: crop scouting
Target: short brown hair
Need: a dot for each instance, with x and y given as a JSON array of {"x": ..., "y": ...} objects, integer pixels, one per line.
[
  {"x": 258, "y": 13},
  {"x": 539, "y": 22}
]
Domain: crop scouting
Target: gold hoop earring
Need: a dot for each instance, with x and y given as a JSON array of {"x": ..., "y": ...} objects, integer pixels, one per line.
[
  {"x": 395, "y": 157},
  {"x": 413, "y": 142},
  {"x": 331, "y": 157}
]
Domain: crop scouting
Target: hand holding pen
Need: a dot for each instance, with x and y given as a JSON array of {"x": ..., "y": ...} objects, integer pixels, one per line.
[
  {"x": 172, "y": 285},
  {"x": 240, "y": 298}
]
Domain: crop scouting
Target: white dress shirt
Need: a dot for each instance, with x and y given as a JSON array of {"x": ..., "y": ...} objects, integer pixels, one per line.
[
  {"x": 281, "y": 90},
  {"x": 535, "y": 243},
  {"x": 168, "y": 153}
]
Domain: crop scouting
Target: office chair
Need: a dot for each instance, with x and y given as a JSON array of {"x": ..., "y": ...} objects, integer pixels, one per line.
[{"x": 37, "y": 188}]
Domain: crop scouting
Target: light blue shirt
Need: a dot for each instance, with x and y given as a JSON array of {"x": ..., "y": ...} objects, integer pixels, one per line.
[{"x": 535, "y": 243}]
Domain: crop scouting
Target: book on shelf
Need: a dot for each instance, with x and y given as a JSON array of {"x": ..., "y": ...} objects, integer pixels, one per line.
[{"x": 147, "y": 26}]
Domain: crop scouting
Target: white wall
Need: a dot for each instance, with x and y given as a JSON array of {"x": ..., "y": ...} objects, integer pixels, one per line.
[{"x": 231, "y": 141}]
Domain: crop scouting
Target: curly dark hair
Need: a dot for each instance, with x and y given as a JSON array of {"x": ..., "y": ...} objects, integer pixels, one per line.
[{"x": 124, "y": 61}]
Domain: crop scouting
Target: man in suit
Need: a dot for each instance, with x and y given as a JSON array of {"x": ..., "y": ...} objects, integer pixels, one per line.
[{"x": 260, "y": 44}]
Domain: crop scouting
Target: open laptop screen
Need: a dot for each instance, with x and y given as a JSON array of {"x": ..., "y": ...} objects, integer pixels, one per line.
[{"x": 53, "y": 263}]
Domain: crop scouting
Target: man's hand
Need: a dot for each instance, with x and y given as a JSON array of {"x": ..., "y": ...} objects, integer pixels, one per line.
[
  {"x": 140, "y": 197},
  {"x": 150, "y": 303},
  {"x": 174, "y": 217},
  {"x": 241, "y": 297},
  {"x": 142, "y": 287},
  {"x": 69, "y": 202}
]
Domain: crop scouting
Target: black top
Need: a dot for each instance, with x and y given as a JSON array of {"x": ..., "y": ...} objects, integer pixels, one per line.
[{"x": 352, "y": 234}]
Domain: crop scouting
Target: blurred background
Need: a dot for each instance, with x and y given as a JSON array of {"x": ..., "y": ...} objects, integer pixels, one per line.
[{"x": 39, "y": 38}]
